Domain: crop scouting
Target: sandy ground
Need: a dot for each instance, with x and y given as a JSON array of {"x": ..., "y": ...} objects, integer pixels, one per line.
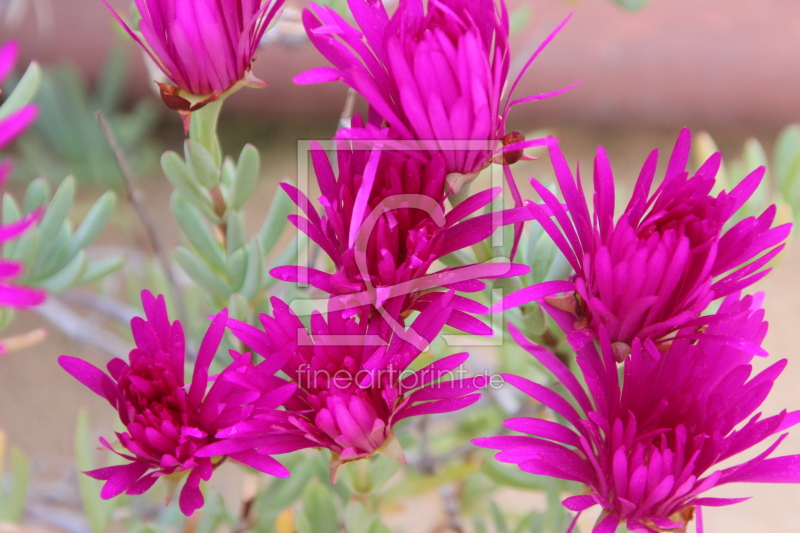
[{"x": 40, "y": 402}]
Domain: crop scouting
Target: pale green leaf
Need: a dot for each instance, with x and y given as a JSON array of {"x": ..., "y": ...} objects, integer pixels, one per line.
[
  {"x": 245, "y": 178},
  {"x": 37, "y": 195},
  {"x": 67, "y": 277},
  {"x": 24, "y": 92},
  {"x": 98, "y": 511},
  {"x": 201, "y": 274},
  {"x": 97, "y": 270},
  {"x": 199, "y": 234},
  {"x": 93, "y": 224},
  {"x": 318, "y": 513},
  {"x": 281, "y": 207},
  {"x": 13, "y": 503},
  {"x": 235, "y": 234},
  {"x": 57, "y": 212},
  {"x": 237, "y": 268},
  {"x": 179, "y": 176},
  {"x": 202, "y": 168},
  {"x": 254, "y": 276}
]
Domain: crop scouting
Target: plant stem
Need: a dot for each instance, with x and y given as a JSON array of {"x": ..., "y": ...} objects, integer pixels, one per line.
[{"x": 204, "y": 129}]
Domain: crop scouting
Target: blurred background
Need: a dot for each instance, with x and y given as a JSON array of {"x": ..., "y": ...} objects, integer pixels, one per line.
[{"x": 727, "y": 67}]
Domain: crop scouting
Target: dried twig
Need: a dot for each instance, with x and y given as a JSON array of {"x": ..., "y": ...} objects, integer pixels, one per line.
[
  {"x": 135, "y": 197},
  {"x": 118, "y": 311},
  {"x": 451, "y": 507},
  {"x": 80, "y": 329}
]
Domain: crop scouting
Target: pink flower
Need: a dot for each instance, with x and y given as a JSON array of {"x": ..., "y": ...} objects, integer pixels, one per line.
[
  {"x": 660, "y": 265},
  {"x": 353, "y": 378},
  {"x": 384, "y": 225},
  {"x": 647, "y": 449},
  {"x": 438, "y": 77},
  {"x": 205, "y": 47},
  {"x": 11, "y": 127},
  {"x": 171, "y": 427}
]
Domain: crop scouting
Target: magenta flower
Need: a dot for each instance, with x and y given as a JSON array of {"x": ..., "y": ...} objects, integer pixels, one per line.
[
  {"x": 438, "y": 77},
  {"x": 353, "y": 378},
  {"x": 205, "y": 47},
  {"x": 665, "y": 259},
  {"x": 647, "y": 450},
  {"x": 11, "y": 127},
  {"x": 383, "y": 228},
  {"x": 170, "y": 426}
]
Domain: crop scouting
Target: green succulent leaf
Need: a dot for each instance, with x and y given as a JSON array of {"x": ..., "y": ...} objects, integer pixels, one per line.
[
  {"x": 25, "y": 91},
  {"x": 202, "y": 167},
  {"x": 254, "y": 275},
  {"x": 235, "y": 232},
  {"x": 98, "y": 511},
  {"x": 196, "y": 269},
  {"x": 318, "y": 513},
  {"x": 632, "y": 5},
  {"x": 237, "y": 268},
  {"x": 198, "y": 233},
  {"x": 244, "y": 179},
  {"x": 180, "y": 177},
  {"x": 93, "y": 224},
  {"x": 37, "y": 195},
  {"x": 12, "y": 503},
  {"x": 98, "y": 270},
  {"x": 281, "y": 207},
  {"x": 57, "y": 212}
]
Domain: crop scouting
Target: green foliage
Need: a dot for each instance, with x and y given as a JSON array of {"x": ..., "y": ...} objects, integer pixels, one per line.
[
  {"x": 632, "y": 5},
  {"x": 318, "y": 513},
  {"x": 67, "y": 139},
  {"x": 15, "y": 494},
  {"x": 24, "y": 91},
  {"x": 228, "y": 265},
  {"x": 98, "y": 511},
  {"x": 55, "y": 256}
]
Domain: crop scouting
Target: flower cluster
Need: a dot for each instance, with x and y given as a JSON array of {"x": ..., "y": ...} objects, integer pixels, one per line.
[
  {"x": 645, "y": 439},
  {"x": 353, "y": 377},
  {"x": 11, "y": 127},
  {"x": 437, "y": 79},
  {"x": 172, "y": 429},
  {"x": 385, "y": 225},
  {"x": 665, "y": 392},
  {"x": 667, "y": 257},
  {"x": 386, "y": 222}
]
